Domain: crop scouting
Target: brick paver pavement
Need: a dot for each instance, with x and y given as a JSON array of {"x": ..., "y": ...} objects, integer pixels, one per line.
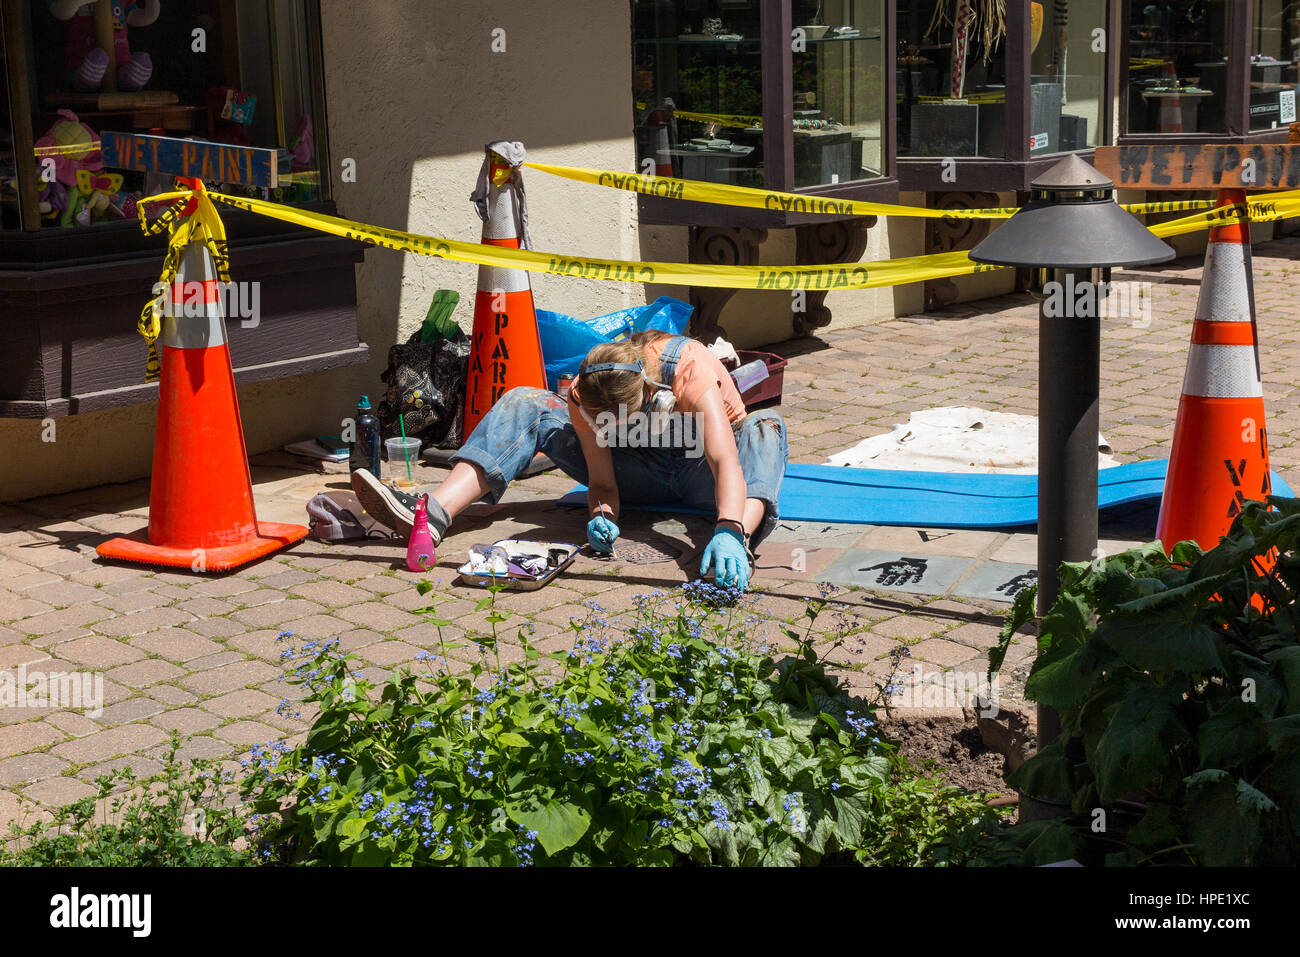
[{"x": 198, "y": 653}]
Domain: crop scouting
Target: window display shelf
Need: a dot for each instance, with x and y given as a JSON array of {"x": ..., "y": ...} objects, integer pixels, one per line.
[{"x": 741, "y": 99}]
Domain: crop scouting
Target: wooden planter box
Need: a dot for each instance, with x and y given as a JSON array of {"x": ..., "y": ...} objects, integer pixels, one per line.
[{"x": 70, "y": 336}]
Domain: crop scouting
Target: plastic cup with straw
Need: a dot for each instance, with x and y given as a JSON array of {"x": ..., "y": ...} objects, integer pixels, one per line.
[
  {"x": 406, "y": 446},
  {"x": 406, "y": 450}
]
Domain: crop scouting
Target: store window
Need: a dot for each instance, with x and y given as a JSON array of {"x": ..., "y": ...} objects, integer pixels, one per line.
[
  {"x": 698, "y": 90},
  {"x": 243, "y": 74},
  {"x": 952, "y": 78},
  {"x": 698, "y": 81},
  {"x": 9, "y": 210},
  {"x": 1178, "y": 66},
  {"x": 1275, "y": 48},
  {"x": 838, "y": 92},
  {"x": 1067, "y": 64}
]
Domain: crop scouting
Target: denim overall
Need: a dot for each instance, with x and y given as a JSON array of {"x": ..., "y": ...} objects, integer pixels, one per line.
[{"x": 526, "y": 421}]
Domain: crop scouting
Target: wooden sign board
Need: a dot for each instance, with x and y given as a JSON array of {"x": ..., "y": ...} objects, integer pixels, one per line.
[
  {"x": 1201, "y": 167},
  {"x": 210, "y": 162}
]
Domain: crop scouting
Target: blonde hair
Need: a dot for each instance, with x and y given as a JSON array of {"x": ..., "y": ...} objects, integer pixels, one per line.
[{"x": 610, "y": 389}]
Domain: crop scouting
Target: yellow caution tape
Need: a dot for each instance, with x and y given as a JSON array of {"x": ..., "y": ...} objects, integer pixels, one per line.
[
  {"x": 733, "y": 120},
  {"x": 1261, "y": 210},
  {"x": 823, "y": 277},
  {"x": 723, "y": 194},
  {"x": 202, "y": 225},
  {"x": 747, "y": 196},
  {"x": 1169, "y": 206},
  {"x": 968, "y": 98}
]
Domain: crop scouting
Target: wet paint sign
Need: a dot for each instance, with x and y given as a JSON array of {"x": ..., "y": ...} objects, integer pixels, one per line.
[
  {"x": 210, "y": 162},
  {"x": 1272, "y": 166}
]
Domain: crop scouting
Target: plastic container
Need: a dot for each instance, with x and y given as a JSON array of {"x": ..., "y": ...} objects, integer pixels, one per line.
[
  {"x": 420, "y": 552},
  {"x": 512, "y": 582},
  {"x": 748, "y": 376},
  {"x": 364, "y": 449},
  {"x": 769, "y": 390},
  {"x": 398, "y": 449}
]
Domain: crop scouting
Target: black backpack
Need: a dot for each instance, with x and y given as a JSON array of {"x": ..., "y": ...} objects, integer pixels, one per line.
[{"x": 426, "y": 386}]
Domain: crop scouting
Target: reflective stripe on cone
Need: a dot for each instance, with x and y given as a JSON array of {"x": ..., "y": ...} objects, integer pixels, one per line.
[{"x": 1219, "y": 459}]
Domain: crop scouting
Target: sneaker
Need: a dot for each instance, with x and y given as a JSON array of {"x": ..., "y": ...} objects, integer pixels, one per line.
[{"x": 385, "y": 504}]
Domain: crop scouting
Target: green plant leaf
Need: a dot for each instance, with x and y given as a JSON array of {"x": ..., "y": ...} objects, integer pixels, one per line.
[
  {"x": 511, "y": 740},
  {"x": 851, "y": 816},
  {"x": 1231, "y": 736},
  {"x": 1046, "y": 774},
  {"x": 1053, "y": 841},
  {"x": 558, "y": 824},
  {"x": 1021, "y": 613},
  {"x": 1066, "y": 627},
  {"x": 1223, "y": 817},
  {"x": 1157, "y": 828},
  {"x": 1283, "y": 781},
  {"x": 1287, "y": 660},
  {"x": 1138, "y": 743},
  {"x": 1170, "y": 640},
  {"x": 352, "y": 829}
]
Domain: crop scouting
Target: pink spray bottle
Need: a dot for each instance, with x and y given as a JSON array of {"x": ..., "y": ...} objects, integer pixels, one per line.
[{"x": 420, "y": 553}]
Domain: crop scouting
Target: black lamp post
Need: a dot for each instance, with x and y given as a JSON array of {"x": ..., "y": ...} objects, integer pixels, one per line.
[{"x": 1073, "y": 226}]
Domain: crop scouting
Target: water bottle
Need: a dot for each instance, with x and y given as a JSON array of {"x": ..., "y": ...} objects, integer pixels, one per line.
[
  {"x": 364, "y": 453},
  {"x": 750, "y": 375},
  {"x": 420, "y": 553}
]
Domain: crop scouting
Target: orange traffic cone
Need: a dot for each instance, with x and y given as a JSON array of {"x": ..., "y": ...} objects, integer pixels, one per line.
[
  {"x": 506, "y": 349},
  {"x": 1220, "y": 453},
  {"x": 660, "y": 121},
  {"x": 201, "y": 513},
  {"x": 1170, "y": 118}
]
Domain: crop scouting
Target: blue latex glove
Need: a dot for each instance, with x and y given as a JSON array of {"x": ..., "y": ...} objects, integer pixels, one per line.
[
  {"x": 727, "y": 557},
  {"x": 602, "y": 533}
]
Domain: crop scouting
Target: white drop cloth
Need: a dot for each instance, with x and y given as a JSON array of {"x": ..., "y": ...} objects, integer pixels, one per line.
[{"x": 957, "y": 439}]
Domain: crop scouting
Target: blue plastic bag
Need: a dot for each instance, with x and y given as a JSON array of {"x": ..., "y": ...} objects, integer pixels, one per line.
[
  {"x": 566, "y": 340},
  {"x": 565, "y": 343},
  {"x": 665, "y": 313}
]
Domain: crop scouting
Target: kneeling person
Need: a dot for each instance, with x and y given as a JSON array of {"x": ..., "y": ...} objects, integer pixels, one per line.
[{"x": 653, "y": 420}]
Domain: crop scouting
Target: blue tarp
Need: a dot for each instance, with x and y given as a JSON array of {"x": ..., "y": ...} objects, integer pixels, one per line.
[{"x": 835, "y": 493}]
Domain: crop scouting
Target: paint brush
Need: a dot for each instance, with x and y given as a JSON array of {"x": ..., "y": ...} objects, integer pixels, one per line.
[{"x": 601, "y": 505}]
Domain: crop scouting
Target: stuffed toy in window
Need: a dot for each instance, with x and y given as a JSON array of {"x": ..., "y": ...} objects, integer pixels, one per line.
[
  {"x": 75, "y": 189},
  {"x": 87, "y": 61}
]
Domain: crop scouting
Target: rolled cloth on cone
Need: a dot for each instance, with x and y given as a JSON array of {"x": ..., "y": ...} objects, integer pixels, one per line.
[{"x": 512, "y": 153}]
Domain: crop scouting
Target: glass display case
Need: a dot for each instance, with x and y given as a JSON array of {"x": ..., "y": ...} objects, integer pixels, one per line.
[
  {"x": 1209, "y": 71},
  {"x": 761, "y": 93},
  {"x": 1178, "y": 67},
  {"x": 953, "y": 77},
  {"x": 236, "y": 74},
  {"x": 1275, "y": 49},
  {"x": 996, "y": 88}
]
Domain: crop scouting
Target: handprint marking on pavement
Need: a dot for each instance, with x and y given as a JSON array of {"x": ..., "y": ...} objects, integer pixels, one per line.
[{"x": 900, "y": 571}]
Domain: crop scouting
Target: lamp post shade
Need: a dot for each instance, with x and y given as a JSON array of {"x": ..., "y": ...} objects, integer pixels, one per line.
[{"x": 1073, "y": 222}]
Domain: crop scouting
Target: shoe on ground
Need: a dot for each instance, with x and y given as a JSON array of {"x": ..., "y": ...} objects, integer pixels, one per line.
[{"x": 388, "y": 506}]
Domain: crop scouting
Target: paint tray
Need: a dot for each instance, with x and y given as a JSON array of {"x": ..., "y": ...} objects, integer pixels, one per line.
[{"x": 514, "y": 582}]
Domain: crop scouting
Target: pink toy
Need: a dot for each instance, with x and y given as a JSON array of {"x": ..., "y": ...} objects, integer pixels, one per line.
[
  {"x": 68, "y": 151},
  {"x": 87, "y": 62},
  {"x": 420, "y": 553}
]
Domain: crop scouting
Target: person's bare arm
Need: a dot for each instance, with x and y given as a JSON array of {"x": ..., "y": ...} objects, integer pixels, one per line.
[
  {"x": 601, "y": 485},
  {"x": 719, "y": 441}
]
